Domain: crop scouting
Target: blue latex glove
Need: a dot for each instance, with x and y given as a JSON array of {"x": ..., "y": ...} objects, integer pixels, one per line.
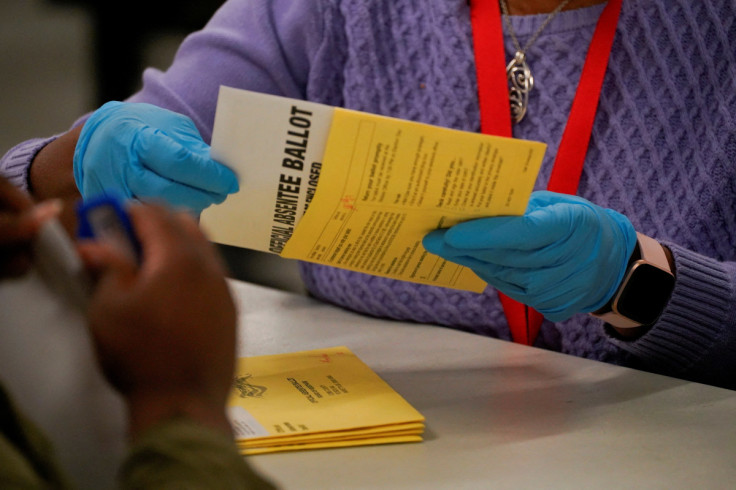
[
  {"x": 145, "y": 152},
  {"x": 565, "y": 255}
]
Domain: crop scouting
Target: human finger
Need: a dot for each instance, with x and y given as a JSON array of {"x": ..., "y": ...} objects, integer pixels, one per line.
[
  {"x": 190, "y": 166},
  {"x": 149, "y": 186},
  {"x": 12, "y": 198},
  {"x": 102, "y": 259},
  {"x": 531, "y": 231}
]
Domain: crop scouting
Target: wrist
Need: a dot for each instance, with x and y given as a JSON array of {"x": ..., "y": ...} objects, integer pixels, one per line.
[
  {"x": 632, "y": 333},
  {"x": 148, "y": 410},
  {"x": 644, "y": 291},
  {"x": 51, "y": 175}
]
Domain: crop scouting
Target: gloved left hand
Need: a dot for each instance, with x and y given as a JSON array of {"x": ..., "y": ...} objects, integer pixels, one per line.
[{"x": 565, "y": 255}]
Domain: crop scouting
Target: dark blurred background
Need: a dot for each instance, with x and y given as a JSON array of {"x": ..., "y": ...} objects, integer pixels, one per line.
[
  {"x": 62, "y": 58},
  {"x": 120, "y": 36}
]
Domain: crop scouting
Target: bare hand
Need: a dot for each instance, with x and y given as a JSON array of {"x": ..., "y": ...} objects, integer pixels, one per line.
[
  {"x": 164, "y": 330},
  {"x": 19, "y": 223}
]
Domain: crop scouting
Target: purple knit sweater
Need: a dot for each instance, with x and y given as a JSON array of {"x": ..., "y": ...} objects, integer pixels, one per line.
[{"x": 662, "y": 152}]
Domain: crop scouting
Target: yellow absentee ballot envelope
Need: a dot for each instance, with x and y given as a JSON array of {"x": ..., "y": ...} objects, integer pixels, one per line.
[
  {"x": 357, "y": 190},
  {"x": 316, "y": 399}
]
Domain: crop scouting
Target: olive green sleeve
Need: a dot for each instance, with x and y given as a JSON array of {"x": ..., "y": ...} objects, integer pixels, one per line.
[
  {"x": 183, "y": 455},
  {"x": 27, "y": 459}
]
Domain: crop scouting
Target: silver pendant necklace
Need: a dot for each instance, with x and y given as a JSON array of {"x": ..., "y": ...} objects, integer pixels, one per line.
[{"x": 521, "y": 81}]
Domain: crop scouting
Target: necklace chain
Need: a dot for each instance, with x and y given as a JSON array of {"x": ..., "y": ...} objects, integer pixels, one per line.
[
  {"x": 518, "y": 72},
  {"x": 507, "y": 20}
]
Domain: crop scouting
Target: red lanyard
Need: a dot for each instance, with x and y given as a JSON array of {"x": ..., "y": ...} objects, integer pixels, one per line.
[{"x": 495, "y": 117}]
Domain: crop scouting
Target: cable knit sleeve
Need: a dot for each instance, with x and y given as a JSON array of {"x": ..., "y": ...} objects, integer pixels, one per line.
[
  {"x": 15, "y": 164},
  {"x": 695, "y": 337},
  {"x": 261, "y": 45}
]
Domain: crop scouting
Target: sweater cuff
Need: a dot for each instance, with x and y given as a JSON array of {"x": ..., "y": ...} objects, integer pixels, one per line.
[
  {"x": 16, "y": 163},
  {"x": 692, "y": 322}
]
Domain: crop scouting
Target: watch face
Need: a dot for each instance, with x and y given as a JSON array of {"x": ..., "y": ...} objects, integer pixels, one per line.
[{"x": 646, "y": 292}]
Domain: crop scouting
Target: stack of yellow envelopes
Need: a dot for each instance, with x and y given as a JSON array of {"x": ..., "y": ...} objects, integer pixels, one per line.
[{"x": 316, "y": 399}]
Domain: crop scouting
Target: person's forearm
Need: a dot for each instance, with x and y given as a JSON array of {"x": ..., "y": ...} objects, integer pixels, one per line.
[
  {"x": 51, "y": 174},
  {"x": 693, "y": 338},
  {"x": 183, "y": 454}
]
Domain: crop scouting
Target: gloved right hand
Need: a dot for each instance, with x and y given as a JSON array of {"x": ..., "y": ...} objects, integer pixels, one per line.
[{"x": 145, "y": 152}]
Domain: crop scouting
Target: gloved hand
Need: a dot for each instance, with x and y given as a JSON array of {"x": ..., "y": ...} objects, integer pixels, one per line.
[
  {"x": 565, "y": 255},
  {"x": 145, "y": 152}
]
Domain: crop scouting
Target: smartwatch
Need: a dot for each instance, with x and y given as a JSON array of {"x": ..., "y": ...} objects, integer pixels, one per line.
[{"x": 645, "y": 289}]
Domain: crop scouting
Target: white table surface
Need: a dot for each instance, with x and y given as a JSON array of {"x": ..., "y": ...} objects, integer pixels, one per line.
[{"x": 498, "y": 415}]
